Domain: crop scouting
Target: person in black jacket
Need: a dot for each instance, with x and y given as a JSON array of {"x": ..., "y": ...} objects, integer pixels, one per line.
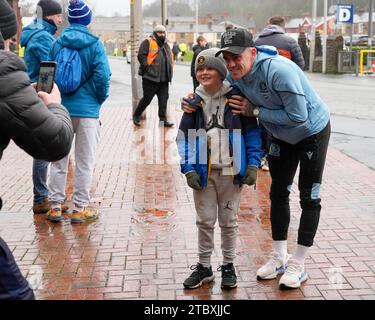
[
  {"x": 37, "y": 123},
  {"x": 156, "y": 68},
  {"x": 198, "y": 48}
]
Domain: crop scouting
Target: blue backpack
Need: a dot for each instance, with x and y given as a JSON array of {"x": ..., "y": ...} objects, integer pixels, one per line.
[{"x": 68, "y": 71}]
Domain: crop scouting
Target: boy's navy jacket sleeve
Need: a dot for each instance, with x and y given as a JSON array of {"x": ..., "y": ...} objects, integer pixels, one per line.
[{"x": 186, "y": 148}]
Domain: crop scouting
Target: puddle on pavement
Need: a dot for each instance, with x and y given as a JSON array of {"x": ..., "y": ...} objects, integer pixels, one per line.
[{"x": 149, "y": 217}]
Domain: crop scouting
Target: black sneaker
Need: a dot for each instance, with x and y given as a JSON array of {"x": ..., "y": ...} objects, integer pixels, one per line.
[
  {"x": 199, "y": 276},
  {"x": 228, "y": 276},
  {"x": 137, "y": 121}
]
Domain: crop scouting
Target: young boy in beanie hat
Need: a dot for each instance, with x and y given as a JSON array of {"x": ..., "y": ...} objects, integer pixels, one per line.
[
  {"x": 84, "y": 107},
  {"x": 216, "y": 165},
  {"x": 37, "y": 38}
]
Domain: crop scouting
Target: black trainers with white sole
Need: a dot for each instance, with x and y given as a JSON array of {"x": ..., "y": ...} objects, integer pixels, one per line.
[
  {"x": 228, "y": 276},
  {"x": 200, "y": 275}
]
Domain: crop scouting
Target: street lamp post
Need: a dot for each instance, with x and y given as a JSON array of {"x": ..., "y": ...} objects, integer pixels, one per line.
[
  {"x": 196, "y": 19},
  {"x": 312, "y": 42},
  {"x": 324, "y": 62},
  {"x": 370, "y": 24},
  {"x": 164, "y": 14},
  {"x": 136, "y": 33}
]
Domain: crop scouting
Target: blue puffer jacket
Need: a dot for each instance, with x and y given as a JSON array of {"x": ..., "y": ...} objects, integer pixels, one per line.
[
  {"x": 243, "y": 133},
  {"x": 37, "y": 38},
  {"x": 96, "y": 74}
]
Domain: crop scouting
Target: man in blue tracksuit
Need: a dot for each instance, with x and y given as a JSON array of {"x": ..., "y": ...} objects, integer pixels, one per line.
[
  {"x": 37, "y": 38},
  {"x": 289, "y": 108},
  {"x": 84, "y": 106}
]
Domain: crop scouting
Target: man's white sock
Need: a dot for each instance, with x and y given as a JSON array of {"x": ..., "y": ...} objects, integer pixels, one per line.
[
  {"x": 301, "y": 253},
  {"x": 281, "y": 247}
]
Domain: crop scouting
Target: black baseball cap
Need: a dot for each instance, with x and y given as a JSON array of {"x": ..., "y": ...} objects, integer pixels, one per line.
[{"x": 236, "y": 41}]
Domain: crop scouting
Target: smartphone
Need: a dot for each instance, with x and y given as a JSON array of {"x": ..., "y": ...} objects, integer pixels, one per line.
[{"x": 46, "y": 78}]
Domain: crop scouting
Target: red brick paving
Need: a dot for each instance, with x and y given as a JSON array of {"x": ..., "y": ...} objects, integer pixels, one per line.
[{"x": 145, "y": 239}]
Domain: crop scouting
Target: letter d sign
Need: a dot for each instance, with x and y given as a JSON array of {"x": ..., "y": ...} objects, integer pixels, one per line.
[{"x": 344, "y": 13}]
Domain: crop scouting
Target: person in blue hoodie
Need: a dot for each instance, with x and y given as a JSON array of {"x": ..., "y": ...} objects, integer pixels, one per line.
[
  {"x": 220, "y": 151},
  {"x": 37, "y": 38},
  {"x": 278, "y": 93},
  {"x": 84, "y": 106}
]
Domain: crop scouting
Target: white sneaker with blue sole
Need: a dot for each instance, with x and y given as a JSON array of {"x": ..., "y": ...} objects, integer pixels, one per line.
[
  {"x": 274, "y": 266},
  {"x": 294, "y": 275}
]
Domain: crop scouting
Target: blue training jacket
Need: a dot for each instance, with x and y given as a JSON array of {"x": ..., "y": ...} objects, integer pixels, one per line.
[
  {"x": 290, "y": 108},
  {"x": 248, "y": 139},
  {"x": 96, "y": 74},
  {"x": 37, "y": 38}
]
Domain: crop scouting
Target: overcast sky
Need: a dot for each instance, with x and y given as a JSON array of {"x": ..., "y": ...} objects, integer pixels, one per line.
[{"x": 108, "y": 7}]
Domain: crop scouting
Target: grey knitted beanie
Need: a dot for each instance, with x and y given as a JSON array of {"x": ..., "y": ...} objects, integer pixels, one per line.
[{"x": 206, "y": 58}]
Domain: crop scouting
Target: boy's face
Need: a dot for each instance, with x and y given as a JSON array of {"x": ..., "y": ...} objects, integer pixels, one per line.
[{"x": 209, "y": 77}]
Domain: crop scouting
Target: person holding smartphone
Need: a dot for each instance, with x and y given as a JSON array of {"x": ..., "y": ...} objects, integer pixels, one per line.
[
  {"x": 44, "y": 131},
  {"x": 37, "y": 38}
]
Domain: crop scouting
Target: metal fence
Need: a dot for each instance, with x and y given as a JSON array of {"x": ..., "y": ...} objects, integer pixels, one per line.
[{"x": 348, "y": 62}]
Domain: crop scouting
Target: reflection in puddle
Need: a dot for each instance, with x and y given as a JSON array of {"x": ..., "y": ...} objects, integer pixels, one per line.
[{"x": 153, "y": 217}]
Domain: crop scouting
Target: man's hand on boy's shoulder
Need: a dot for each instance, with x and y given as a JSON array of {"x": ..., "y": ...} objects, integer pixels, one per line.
[{"x": 240, "y": 105}]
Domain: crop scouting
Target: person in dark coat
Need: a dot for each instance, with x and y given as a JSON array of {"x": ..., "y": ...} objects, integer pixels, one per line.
[
  {"x": 37, "y": 123},
  {"x": 197, "y": 49},
  {"x": 156, "y": 69},
  {"x": 176, "y": 51}
]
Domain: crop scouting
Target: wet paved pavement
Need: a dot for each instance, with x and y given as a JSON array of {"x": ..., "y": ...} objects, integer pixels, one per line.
[{"x": 145, "y": 239}]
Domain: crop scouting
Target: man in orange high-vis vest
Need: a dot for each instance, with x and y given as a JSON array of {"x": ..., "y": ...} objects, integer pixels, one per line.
[{"x": 156, "y": 68}]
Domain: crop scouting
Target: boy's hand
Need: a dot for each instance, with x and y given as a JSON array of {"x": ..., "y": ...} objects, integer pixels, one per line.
[
  {"x": 193, "y": 180},
  {"x": 241, "y": 105},
  {"x": 251, "y": 176},
  {"x": 48, "y": 98},
  {"x": 187, "y": 107}
]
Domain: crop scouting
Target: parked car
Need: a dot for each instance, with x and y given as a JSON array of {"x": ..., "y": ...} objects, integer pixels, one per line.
[{"x": 359, "y": 40}]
